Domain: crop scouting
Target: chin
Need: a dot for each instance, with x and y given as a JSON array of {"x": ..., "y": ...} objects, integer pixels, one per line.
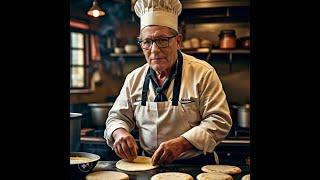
[{"x": 158, "y": 67}]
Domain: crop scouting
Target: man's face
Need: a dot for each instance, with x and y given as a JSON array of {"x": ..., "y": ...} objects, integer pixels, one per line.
[{"x": 161, "y": 59}]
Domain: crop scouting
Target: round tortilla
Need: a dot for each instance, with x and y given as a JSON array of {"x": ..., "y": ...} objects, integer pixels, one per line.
[
  {"x": 227, "y": 169},
  {"x": 246, "y": 177},
  {"x": 172, "y": 176},
  {"x": 141, "y": 163},
  {"x": 214, "y": 176},
  {"x": 107, "y": 175}
]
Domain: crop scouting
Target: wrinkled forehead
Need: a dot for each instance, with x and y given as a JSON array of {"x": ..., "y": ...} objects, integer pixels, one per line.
[{"x": 155, "y": 31}]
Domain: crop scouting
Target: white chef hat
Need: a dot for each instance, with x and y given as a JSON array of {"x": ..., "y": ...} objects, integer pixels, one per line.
[{"x": 158, "y": 12}]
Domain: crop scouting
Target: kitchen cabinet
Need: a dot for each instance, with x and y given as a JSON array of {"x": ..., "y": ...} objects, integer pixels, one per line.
[
  {"x": 209, "y": 14},
  {"x": 208, "y": 11},
  {"x": 205, "y": 19}
]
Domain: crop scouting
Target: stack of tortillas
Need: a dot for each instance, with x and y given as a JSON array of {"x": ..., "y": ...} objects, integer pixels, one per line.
[
  {"x": 107, "y": 175},
  {"x": 172, "y": 176},
  {"x": 141, "y": 163},
  {"x": 218, "y": 172}
]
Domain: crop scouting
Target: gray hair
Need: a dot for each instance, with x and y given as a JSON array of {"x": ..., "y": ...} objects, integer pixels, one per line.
[{"x": 174, "y": 32}]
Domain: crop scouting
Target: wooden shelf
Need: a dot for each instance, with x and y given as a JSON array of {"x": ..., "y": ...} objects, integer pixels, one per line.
[
  {"x": 204, "y": 51},
  {"x": 217, "y": 51},
  {"x": 127, "y": 55},
  {"x": 193, "y": 51}
]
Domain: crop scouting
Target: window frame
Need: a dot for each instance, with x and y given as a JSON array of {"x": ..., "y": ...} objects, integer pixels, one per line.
[{"x": 83, "y": 28}]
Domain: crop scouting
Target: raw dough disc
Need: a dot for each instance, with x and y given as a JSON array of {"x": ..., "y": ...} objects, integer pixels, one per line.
[
  {"x": 141, "y": 163},
  {"x": 107, "y": 175},
  {"x": 214, "y": 176},
  {"x": 227, "y": 169},
  {"x": 172, "y": 176}
]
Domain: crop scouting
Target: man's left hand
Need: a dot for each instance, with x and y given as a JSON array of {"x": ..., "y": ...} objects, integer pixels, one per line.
[{"x": 169, "y": 151}]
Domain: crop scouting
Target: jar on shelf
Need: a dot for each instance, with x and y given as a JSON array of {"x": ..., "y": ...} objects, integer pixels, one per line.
[{"x": 228, "y": 39}]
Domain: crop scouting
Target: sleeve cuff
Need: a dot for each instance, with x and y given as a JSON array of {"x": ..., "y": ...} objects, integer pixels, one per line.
[{"x": 200, "y": 139}]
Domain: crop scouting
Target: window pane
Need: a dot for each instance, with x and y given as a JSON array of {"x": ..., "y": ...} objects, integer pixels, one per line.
[
  {"x": 77, "y": 40},
  {"x": 77, "y": 77},
  {"x": 77, "y": 57}
]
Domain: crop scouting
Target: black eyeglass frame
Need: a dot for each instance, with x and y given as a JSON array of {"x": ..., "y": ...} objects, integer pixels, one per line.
[{"x": 155, "y": 41}]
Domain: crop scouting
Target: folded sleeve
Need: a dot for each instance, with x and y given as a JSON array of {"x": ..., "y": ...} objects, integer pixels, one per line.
[
  {"x": 216, "y": 120},
  {"x": 120, "y": 115}
]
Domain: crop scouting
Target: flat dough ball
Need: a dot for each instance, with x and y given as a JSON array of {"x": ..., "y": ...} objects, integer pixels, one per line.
[
  {"x": 227, "y": 169},
  {"x": 141, "y": 163},
  {"x": 214, "y": 176},
  {"x": 246, "y": 177},
  {"x": 172, "y": 176},
  {"x": 107, "y": 175}
]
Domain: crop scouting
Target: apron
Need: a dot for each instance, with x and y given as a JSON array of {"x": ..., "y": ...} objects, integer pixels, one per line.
[{"x": 161, "y": 121}]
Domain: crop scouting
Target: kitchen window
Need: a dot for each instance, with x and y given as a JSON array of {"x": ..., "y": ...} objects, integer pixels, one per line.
[{"x": 83, "y": 50}]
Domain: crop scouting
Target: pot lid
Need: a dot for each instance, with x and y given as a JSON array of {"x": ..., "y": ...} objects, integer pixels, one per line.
[{"x": 72, "y": 115}]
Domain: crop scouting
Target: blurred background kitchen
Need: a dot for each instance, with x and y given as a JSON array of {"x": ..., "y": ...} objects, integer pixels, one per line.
[{"x": 104, "y": 49}]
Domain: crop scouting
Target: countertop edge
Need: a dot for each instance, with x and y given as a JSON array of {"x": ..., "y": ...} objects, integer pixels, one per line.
[{"x": 85, "y": 139}]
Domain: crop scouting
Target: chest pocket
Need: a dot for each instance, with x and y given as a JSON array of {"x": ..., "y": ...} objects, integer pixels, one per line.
[{"x": 190, "y": 107}]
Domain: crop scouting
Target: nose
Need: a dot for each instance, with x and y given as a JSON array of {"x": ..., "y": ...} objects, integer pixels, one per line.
[{"x": 154, "y": 47}]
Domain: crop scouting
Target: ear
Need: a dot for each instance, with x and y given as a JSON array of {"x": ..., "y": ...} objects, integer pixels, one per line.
[{"x": 179, "y": 41}]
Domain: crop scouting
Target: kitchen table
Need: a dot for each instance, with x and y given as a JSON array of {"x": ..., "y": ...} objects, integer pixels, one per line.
[{"x": 193, "y": 170}]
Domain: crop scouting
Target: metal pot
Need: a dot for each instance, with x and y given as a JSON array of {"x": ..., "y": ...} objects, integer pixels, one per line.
[
  {"x": 242, "y": 115},
  {"x": 75, "y": 131},
  {"x": 99, "y": 112}
]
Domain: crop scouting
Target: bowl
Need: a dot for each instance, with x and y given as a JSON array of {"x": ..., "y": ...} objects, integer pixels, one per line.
[
  {"x": 82, "y": 164},
  {"x": 118, "y": 50},
  {"x": 130, "y": 48}
]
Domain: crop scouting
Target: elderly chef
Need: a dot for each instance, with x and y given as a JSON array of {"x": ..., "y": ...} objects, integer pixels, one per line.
[{"x": 176, "y": 101}]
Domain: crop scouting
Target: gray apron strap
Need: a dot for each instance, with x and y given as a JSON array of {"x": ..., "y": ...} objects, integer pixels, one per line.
[
  {"x": 145, "y": 88},
  {"x": 177, "y": 81}
]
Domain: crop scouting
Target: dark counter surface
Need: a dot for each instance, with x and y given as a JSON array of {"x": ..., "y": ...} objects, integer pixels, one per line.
[
  {"x": 193, "y": 170},
  {"x": 85, "y": 139}
]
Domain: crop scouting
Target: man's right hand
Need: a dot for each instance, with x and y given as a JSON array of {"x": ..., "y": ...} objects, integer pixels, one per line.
[{"x": 124, "y": 146}]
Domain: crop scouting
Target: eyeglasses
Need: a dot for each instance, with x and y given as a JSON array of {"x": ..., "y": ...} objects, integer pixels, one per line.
[{"x": 161, "y": 42}]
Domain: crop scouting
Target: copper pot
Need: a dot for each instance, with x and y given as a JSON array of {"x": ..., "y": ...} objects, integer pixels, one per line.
[{"x": 228, "y": 39}]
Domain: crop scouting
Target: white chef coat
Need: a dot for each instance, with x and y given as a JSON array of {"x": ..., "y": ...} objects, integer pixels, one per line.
[{"x": 202, "y": 115}]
